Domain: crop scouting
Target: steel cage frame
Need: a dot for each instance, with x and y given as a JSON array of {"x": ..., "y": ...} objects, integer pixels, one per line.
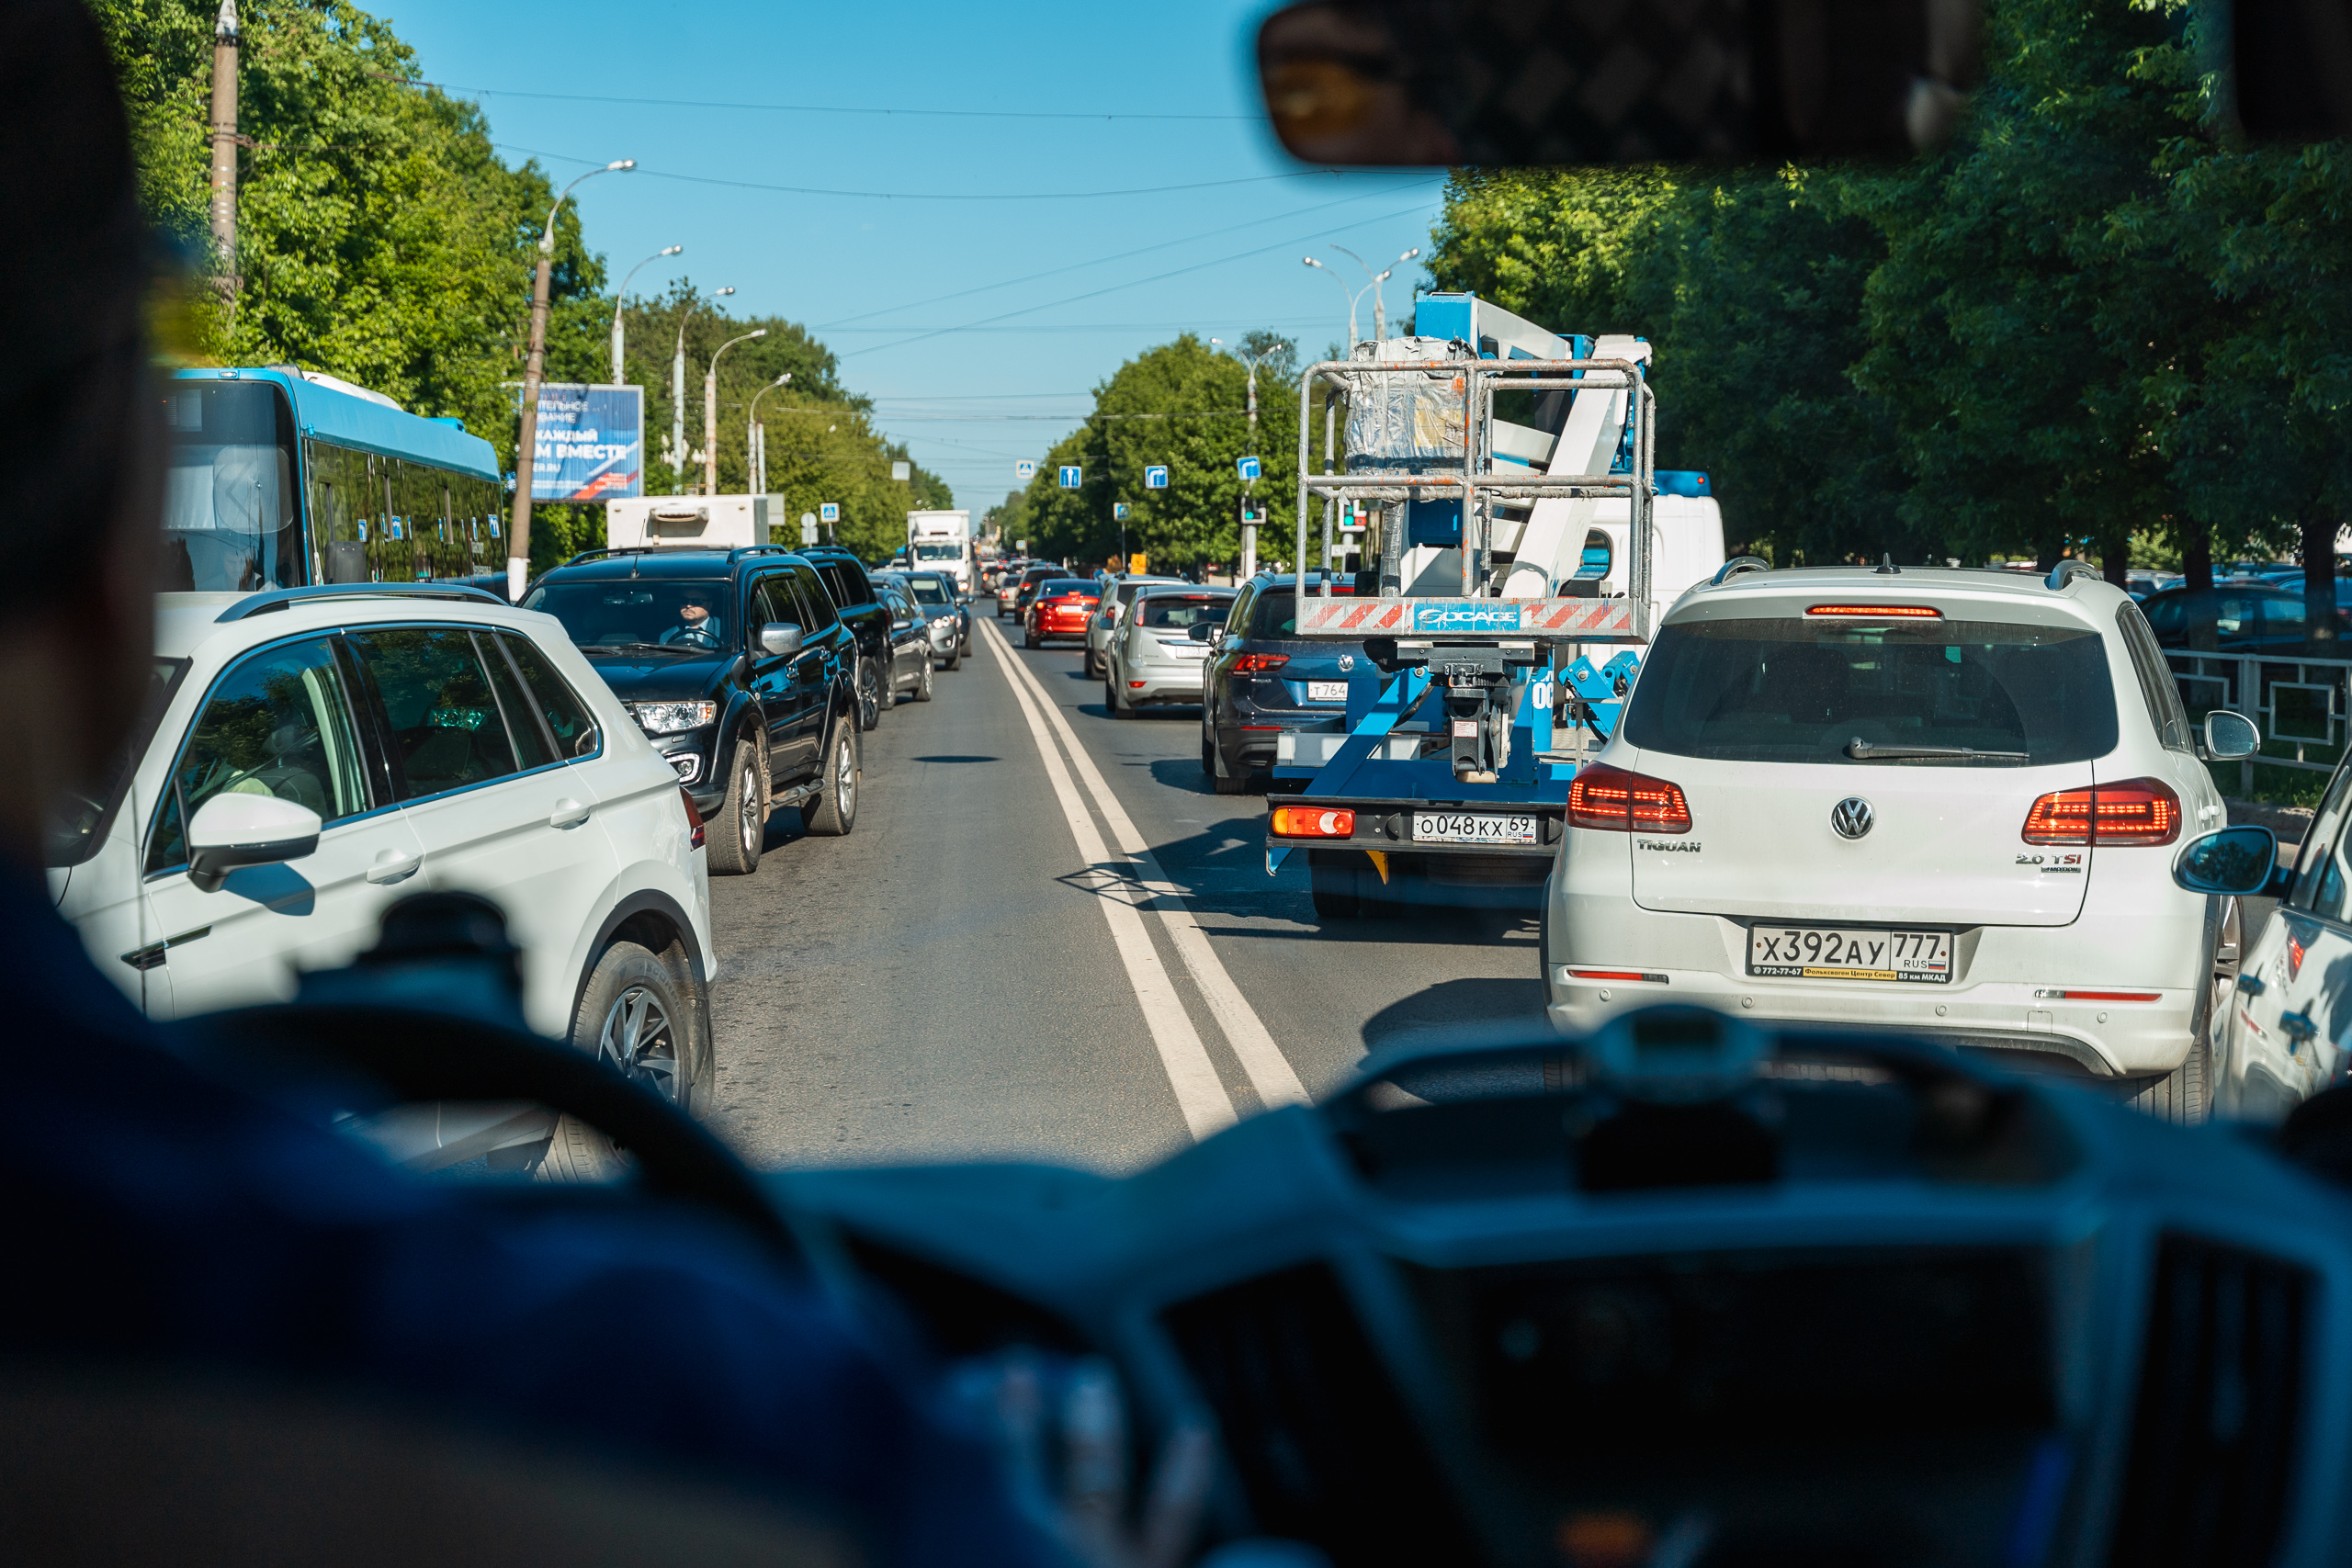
[{"x": 1473, "y": 480}]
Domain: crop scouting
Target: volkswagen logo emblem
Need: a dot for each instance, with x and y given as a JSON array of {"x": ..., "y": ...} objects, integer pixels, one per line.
[
  {"x": 1852, "y": 817},
  {"x": 1347, "y": 662}
]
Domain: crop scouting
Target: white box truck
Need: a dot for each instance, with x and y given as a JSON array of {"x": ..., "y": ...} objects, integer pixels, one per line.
[
  {"x": 702, "y": 522},
  {"x": 941, "y": 541}
]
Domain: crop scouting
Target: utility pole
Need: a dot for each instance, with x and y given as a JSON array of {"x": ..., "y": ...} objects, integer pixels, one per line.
[
  {"x": 224, "y": 144},
  {"x": 526, "y": 446},
  {"x": 710, "y": 413}
]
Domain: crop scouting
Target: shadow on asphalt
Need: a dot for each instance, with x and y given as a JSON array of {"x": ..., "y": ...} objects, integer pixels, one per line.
[
  {"x": 1456, "y": 1012},
  {"x": 956, "y": 759},
  {"x": 1179, "y": 773}
]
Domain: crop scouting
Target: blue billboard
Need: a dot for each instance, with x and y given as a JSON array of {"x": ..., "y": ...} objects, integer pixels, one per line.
[{"x": 590, "y": 443}]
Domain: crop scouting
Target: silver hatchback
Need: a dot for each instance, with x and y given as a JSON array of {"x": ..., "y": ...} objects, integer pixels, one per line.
[
  {"x": 1118, "y": 592},
  {"x": 1151, "y": 658}
]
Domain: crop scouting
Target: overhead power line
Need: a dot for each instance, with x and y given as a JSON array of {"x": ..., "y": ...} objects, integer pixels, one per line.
[
  {"x": 937, "y": 196},
  {"x": 824, "y": 108}
]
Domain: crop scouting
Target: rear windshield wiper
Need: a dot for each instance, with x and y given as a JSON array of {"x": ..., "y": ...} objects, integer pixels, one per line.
[{"x": 1862, "y": 750}]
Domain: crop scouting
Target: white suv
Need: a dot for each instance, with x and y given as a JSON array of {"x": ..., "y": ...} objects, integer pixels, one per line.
[
  {"x": 314, "y": 755},
  {"x": 1924, "y": 800}
]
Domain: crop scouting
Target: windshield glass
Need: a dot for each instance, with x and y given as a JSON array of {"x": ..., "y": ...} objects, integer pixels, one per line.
[
  {"x": 1179, "y": 611},
  {"x": 684, "y": 614},
  {"x": 1055, "y": 587},
  {"x": 1275, "y": 613},
  {"x": 78, "y": 821},
  {"x": 1806, "y": 691},
  {"x": 229, "y": 521},
  {"x": 929, "y": 590},
  {"x": 939, "y": 550}
]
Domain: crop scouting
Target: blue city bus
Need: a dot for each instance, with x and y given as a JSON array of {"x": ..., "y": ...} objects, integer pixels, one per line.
[{"x": 281, "y": 478}]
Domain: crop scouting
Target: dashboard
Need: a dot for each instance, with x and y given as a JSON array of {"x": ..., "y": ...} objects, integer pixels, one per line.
[{"x": 1794, "y": 1300}]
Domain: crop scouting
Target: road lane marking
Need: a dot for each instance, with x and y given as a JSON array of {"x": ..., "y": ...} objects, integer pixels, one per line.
[
  {"x": 1200, "y": 1093},
  {"x": 1268, "y": 1070}
]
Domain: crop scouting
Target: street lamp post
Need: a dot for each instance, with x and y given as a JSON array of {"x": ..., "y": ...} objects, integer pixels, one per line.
[
  {"x": 678, "y": 391},
  {"x": 710, "y": 413},
  {"x": 755, "y": 435},
  {"x": 1353, "y": 297},
  {"x": 518, "y": 536},
  {"x": 1379, "y": 300},
  {"x": 620, "y": 377},
  {"x": 1248, "y": 529}
]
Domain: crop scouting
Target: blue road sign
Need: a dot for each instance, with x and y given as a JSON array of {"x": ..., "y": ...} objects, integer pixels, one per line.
[
  {"x": 829, "y": 512},
  {"x": 1118, "y": 512},
  {"x": 1248, "y": 468},
  {"x": 1025, "y": 470},
  {"x": 1071, "y": 476},
  {"x": 1155, "y": 475}
]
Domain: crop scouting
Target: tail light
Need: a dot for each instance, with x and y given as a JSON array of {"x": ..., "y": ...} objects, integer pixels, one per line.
[
  {"x": 1617, "y": 801},
  {"x": 2137, "y": 811},
  {"x": 694, "y": 819},
  {"x": 1251, "y": 664},
  {"x": 1313, "y": 822}
]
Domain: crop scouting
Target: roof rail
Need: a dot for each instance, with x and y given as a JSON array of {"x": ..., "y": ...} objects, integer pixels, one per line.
[
  {"x": 1738, "y": 564},
  {"x": 740, "y": 551},
  {"x": 2065, "y": 571},
  {"x": 281, "y": 598}
]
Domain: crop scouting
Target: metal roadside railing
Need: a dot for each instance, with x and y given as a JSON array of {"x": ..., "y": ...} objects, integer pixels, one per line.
[{"x": 2297, "y": 701}]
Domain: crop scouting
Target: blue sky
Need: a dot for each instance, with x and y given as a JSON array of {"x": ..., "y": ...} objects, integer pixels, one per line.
[{"x": 978, "y": 316}]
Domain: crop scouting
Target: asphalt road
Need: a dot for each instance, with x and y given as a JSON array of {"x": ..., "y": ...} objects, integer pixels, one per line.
[{"x": 1026, "y": 952}]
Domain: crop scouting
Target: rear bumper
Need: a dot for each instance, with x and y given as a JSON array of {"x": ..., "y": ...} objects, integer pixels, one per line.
[
  {"x": 1161, "y": 682},
  {"x": 1998, "y": 997}
]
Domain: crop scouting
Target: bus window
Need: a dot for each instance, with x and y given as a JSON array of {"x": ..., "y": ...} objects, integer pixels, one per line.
[
  {"x": 340, "y": 511},
  {"x": 229, "y": 520}
]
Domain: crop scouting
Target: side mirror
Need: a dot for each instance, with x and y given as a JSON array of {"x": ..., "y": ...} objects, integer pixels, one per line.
[
  {"x": 232, "y": 829},
  {"x": 2242, "y": 861},
  {"x": 779, "y": 638},
  {"x": 1202, "y": 631},
  {"x": 2229, "y": 736}
]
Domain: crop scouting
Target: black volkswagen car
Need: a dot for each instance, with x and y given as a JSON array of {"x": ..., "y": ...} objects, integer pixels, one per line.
[
  {"x": 1262, "y": 678},
  {"x": 736, "y": 666}
]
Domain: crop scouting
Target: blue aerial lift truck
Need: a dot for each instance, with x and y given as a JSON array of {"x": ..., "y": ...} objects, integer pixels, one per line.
[{"x": 1518, "y": 578}]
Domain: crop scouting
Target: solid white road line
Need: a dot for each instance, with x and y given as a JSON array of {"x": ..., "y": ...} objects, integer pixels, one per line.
[
  {"x": 1200, "y": 1093},
  {"x": 1270, "y": 1071}
]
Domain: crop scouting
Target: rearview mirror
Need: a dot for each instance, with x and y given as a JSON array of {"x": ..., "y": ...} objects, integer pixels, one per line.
[
  {"x": 2243, "y": 861},
  {"x": 234, "y": 830},
  {"x": 2229, "y": 736},
  {"x": 779, "y": 638},
  {"x": 1544, "y": 82}
]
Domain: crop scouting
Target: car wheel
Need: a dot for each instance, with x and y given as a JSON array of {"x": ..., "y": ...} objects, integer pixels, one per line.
[
  {"x": 1219, "y": 780},
  {"x": 923, "y": 681},
  {"x": 870, "y": 702},
  {"x": 741, "y": 823},
  {"x": 632, "y": 1018},
  {"x": 2185, "y": 1095},
  {"x": 1028, "y": 634},
  {"x": 1111, "y": 700},
  {"x": 1093, "y": 665},
  {"x": 955, "y": 661},
  {"x": 834, "y": 811},
  {"x": 1334, "y": 890}
]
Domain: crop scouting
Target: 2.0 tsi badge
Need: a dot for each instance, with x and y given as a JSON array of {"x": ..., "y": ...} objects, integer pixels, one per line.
[{"x": 1852, "y": 817}]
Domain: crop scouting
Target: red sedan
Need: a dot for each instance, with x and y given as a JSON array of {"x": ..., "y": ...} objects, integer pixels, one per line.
[{"x": 1060, "y": 607}]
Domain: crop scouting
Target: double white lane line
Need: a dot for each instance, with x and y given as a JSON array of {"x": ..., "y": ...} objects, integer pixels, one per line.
[{"x": 1135, "y": 885}]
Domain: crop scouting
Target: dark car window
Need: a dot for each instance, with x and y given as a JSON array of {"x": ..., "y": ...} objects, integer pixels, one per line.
[
  {"x": 2158, "y": 688},
  {"x": 641, "y": 612},
  {"x": 931, "y": 590},
  {"x": 771, "y": 601},
  {"x": 278, "y": 723},
  {"x": 816, "y": 605},
  {"x": 846, "y": 585},
  {"x": 445, "y": 728},
  {"x": 567, "y": 716},
  {"x": 1177, "y": 612},
  {"x": 1055, "y": 587},
  {"x": 1797, "y": 690},
  {"x": 77, "y": 823}
]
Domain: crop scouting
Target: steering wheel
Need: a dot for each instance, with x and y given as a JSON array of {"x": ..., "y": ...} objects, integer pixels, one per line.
[{"x": 415, "y": 1054}]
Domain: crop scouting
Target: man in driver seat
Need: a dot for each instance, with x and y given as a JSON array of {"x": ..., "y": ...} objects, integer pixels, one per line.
[{"x": 694, "y": 627}]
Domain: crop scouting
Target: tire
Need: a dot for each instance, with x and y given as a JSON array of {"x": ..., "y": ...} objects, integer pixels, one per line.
[
  {"x": 632, "y": 1016},
  {"x": 1111, "y": 700},
  {"x": 1028, "y": 635},
  {"x": 955, "y": 661},
  {"x": 737, "y": 828},
  {"x": 834, "y": 811},
  {"x": 1093, "y": 664},
  {"x": 2184, "y": 1097},
  {"x": 870, "y": 695},
  {"x": 1334, "y": 889},
  {"x": 923, "y": 681}
]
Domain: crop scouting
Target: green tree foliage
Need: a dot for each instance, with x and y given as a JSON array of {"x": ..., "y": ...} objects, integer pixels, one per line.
[
  {"x": 2098, "y": 316},
  {"x": 1183, "y": 404},
  {"x": 381, "y": 239}
]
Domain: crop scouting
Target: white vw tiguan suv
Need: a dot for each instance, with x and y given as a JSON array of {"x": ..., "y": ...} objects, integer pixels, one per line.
[{"x": 1938, "y": 801}]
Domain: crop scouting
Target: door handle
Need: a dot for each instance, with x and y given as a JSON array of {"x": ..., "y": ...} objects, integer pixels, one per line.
[
  {"x": 393, "y": 866},
  {"x": 568, "y": 813}
]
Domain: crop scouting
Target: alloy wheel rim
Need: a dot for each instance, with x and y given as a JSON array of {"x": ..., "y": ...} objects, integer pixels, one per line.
[
  {"x": 845, "y": 779},
  {"x": 748, "y": 819},
  {"x": 639, "y": 1040}
]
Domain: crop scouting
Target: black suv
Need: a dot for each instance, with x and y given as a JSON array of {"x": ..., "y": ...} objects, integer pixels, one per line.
[
  {"x": 870, "y": 621},
  {"x": 735, "y": 665}
]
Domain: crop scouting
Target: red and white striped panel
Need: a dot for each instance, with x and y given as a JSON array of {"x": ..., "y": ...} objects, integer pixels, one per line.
[{"x": 1360, "y": 619}]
